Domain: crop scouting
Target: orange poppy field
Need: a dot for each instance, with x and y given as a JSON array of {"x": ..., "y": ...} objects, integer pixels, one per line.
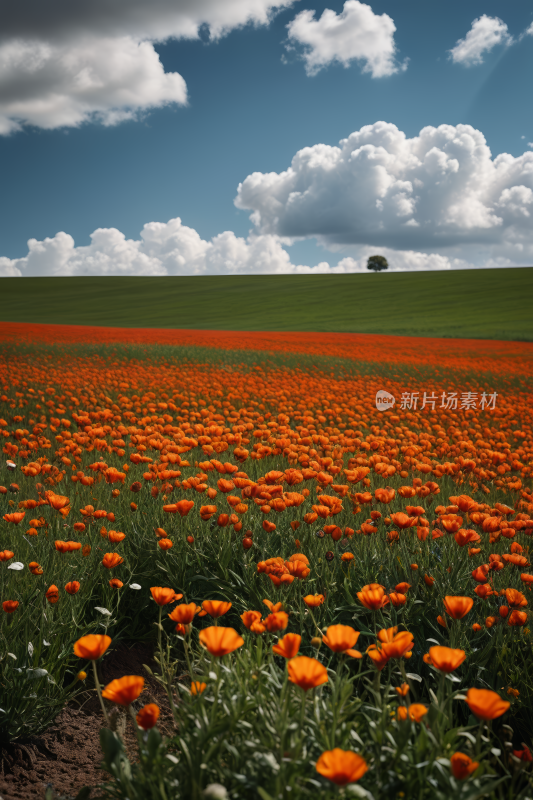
[{"x": 326, "y": 539}]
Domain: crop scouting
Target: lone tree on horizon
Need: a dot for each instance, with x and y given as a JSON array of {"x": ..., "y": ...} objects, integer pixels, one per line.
[{"x": 377, "y": 263}]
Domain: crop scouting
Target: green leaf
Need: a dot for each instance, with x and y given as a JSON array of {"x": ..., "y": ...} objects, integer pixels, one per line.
[{"x": 264, "y": 795}]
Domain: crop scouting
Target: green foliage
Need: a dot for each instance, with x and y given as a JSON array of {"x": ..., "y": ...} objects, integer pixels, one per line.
[
  {"x": 478, "y": 303},
  {"x": 377, "y": 263},
  {"x": 254, "y": 733}
]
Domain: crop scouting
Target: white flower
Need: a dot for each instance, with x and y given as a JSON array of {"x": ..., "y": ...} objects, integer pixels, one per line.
[
  {"x": 135, "y": 586},
  {"x": 216, "y": 791},
  {"x": 16, "y": 565}
]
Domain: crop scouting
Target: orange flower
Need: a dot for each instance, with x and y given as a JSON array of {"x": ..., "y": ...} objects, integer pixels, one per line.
[
  {"x": 165, "y": 544},
  {"x": 307, "y": 673},
  {"x": 399, "y": 646},
  {"x": 490, "y": 622},
  {"x": 92, "y": 647},
  {"x": 184, "y": 613},
  {"x": 250, "y": 617},
  {"x": 341, "y": 639},
  {"x": 514, "y": 558},
  {"x": 462, "y": 766},
  {"x": 515, "y": 598},
  {"x": 277, "y": 621},
  {"x": 5, "y": 555},
  {"x": 341, "y": 766},
  {"x": 414, "y": 712},
  {"x": 116, "y": 536},
  {"x": 72, "y": 587},
  {"x": 257, "y": 627},
  {"x": 124, "y": 691},
  {"x": 115, "y": 583},
  {"x": 428, "y": 580},
  {"x": 52, "y": 594},
  {"x": 220, "y": 641},
  {"x": 458, "y": 607},
  {"x": 373, "y": 596},
  {"x": 163, "y": 596},
  {"x": 402, "y": 588},
  {"x": 184, "y": 506},
  {"x": 517, "y": 618},
  {"x": 111, "y": 560},
  {"x": 387, "y": 634},
  {"x": 397, "y": 599},
  {"x": 15, "y": 517},
  {"x": 10, "y": 606},
  {"x": 446, "y": 659},
  {"x": 314, "y": 600},
  {"x": 486, "y": 704},
  {"x": 206, "y": 512},
  {"x": 57, "y": 501},
  {"x": 148, "y": 716},
  {"x": 273, "y": 607},
  {"x": 347, "y": 557},
  {"x": 480, "y": 573},
  {"x": 216, "y": 608},
  {"x": 378, "y": 656},
  {"x": 198, "y": 687},
  {"x": 403, "y": 690},
  {"x": 402, "y": 520},
  {"x": 288, "y": 646}
]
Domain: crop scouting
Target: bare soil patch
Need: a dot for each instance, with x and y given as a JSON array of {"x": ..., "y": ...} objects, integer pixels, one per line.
[{"x": 67, "y": 756}]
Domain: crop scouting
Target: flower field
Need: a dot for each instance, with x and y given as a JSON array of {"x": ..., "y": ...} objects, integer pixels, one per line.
[{"x": 339, "y": 597}]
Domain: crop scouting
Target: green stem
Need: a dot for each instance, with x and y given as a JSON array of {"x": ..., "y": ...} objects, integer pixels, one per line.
[{"x": 99, "y": 692}]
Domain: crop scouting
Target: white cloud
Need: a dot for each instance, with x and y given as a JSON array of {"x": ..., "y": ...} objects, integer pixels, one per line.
[
  {"x": 163, "y": 249},
  {"x": 62, "y": 64},
  {"x": 486, "y": 32},
  {"x": 439, "y": 190},
  {"x": 110, "y": 79},
  {"x": 174, "y": 249},
  {"x": 8, "y": 269},
  {"x": 156, "y": 20},
  {"x": 356, "y": 34},
  {"x": 436, "y": 201}
]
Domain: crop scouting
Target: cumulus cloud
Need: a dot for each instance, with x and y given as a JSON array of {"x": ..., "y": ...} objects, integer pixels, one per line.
[
  {"x": 440, "y": 189},
  {"x": 356, "y": 34},
  {"x": 63, "y": 63},
  {"x": 156, "y": 19},
  {"x": 163, "y": 249},
  {"x": 486, "y": 32},
  {"x": 109, "y": 79},
  {"x": 172, "y": 248}
]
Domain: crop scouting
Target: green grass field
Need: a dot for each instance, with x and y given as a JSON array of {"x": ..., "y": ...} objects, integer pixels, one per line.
[{"x": 488, "y": 304}]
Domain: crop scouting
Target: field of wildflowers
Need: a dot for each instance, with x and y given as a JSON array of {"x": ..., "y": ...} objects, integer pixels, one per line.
[{"x": 338, "y": 596}]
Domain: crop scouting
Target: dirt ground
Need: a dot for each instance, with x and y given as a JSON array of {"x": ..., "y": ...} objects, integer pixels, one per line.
[{"x": 67, "y": 755}]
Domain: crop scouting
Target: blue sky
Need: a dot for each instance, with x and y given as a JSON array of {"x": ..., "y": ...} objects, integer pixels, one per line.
[{"x": 170, "y": 127}]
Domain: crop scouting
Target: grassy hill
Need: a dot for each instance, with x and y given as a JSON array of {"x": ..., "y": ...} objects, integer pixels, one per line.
[{"x": 492, "y": 303}]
